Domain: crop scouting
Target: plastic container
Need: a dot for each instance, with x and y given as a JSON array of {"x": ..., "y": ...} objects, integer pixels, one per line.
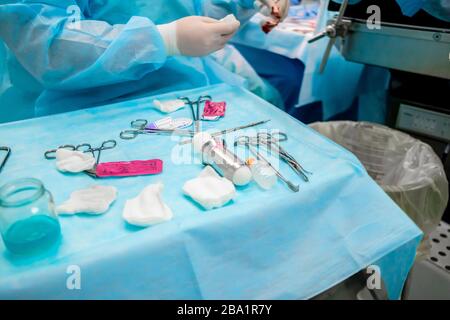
[
  {"x": 263, "y": 174},
  {"x": 28, "y": 222},
  {"x": 408, "y": 170}
]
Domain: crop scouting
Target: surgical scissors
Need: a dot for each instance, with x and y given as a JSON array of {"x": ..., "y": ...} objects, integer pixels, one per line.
[
  {"x": 196, "y": 104},
  {"x": 7, "y": 150},
  {"x": 84, "y": 147},
  {"x": 246, "y": 141},
  {"x": 140, "y": 127}
]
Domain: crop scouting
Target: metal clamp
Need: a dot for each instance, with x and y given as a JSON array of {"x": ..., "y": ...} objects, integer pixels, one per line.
[{"x": 337, "y": 28}]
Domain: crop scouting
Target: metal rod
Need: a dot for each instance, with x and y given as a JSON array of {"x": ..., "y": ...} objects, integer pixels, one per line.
[{"x": 226, "y": 131}]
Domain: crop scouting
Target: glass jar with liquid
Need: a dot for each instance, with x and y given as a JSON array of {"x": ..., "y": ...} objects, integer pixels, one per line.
[{"x": 28, "y": 222}]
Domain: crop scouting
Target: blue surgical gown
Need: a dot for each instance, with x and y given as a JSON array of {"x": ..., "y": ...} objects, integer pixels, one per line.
[{"x": 58, "y": 63}]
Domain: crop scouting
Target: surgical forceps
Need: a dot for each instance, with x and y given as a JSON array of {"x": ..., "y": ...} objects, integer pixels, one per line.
[
  {"x": 84, "y": 147},
  {"x": 196, "y": 112},
  {"x": 231, "y": 130},
  {"x": 270, "y": 141},
  {"x": 7, "y": 150},
  {"x": 140, "y": 127},
  {"x": 247, "y": 141}
]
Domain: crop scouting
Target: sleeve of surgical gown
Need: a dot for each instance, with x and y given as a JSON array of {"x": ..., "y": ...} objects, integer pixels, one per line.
[
  {"x": 64, "y": 55},
  {"x": 243, "y": 10}
]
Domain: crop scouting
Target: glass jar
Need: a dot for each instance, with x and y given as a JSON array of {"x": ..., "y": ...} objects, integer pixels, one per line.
[{"x": 28, "y": 222}]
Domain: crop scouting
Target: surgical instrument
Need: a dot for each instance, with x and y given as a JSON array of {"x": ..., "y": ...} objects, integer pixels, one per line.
[
  {"x": 167, "y": 123},
  {"x": 226, "y": 131},
  {"x": 7, "y": 150},
  {"x": 85, "y": 148},
  {"x": 270, "y": 141},
  {"x": 244, "y": 140},
  {"x": 215, "y": 153},
  {"x": 132, "y": 134},
  {"x": 141, "y": 126},
  {"x": 196, "y": 105}
]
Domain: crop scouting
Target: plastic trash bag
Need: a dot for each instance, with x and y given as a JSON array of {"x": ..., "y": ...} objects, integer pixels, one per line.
[{"x": 408, "y": 170}]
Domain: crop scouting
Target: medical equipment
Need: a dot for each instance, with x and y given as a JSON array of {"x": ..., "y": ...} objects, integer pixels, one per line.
[
  {"x": 270, "y": 141},
  {"x": 418, "y": 63},
  {"x": 148, "y": 208},
  {"x": 94, "y": 200},
  {"x": 28, "y": 223},
  {"x": 209, "y": 189},
  {"x": 142, "y": 127},
  {"x": 85, "y": 148},
  {"x": 245, "y": 141},
  {"x": 226, "y": 163},
  {"x": 195, "y": 109},
  {"x": 7, "y": 152},
  {"x": 167, "y": 123},
  {"x": 77, "y": 161},
  {"x": 262, "y": 173},
  {"x": 132, "y": 134},
  {"x": 421, "y": 38},
  {"x": 227, "y": 131}
]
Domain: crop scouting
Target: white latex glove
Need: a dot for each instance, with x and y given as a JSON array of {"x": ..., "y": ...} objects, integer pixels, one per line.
[
  {"x": 280, "y": 11},
  {"x": 197, "y": 36}
]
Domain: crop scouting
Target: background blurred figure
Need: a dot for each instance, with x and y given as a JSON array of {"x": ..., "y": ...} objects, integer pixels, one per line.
[{"x": 69, "y": 54}]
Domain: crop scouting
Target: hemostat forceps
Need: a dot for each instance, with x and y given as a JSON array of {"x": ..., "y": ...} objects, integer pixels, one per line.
[
  {"x": 196, "y": 112},
  {"x": 246, "y": 141},
  {"x": 84, "y": 147},
  {"x": 270, "y": 141}
]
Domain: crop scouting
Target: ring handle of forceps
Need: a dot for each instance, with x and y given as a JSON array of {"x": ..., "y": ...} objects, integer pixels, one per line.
[
  {"x": 139, "y": 124},
  {"x": 106, "y": 145},
  {"x": 51, "y": 154}
]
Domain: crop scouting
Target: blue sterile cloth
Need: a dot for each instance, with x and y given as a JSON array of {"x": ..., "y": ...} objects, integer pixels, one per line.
[{"x": 264, "y": 245}]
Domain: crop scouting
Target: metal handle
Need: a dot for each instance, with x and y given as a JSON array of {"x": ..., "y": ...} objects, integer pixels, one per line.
[{"x": 332, "y": 31}]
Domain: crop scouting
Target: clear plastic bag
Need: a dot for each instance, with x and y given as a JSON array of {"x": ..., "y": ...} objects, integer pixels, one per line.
[{"x": 408, "y": 170}]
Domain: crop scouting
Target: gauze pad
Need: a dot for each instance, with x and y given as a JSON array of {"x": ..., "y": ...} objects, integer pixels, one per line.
[
  {"x": 209, "y": 189},
  {"x": 169, "y": 106},
  {"x": 93, "y": 200},
  {"x": 147, "y": 208},
  {"x": 229, "y": 19},
  {"x": 74, "y": 161}
]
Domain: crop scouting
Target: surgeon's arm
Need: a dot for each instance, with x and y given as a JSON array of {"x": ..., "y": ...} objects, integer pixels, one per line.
[{"x": 67, "y": 56}]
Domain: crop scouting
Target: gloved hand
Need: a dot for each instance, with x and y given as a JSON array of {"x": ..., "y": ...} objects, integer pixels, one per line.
[
  {"x": 274, "y": 9},
  {"x": 197, "y": 36}
]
